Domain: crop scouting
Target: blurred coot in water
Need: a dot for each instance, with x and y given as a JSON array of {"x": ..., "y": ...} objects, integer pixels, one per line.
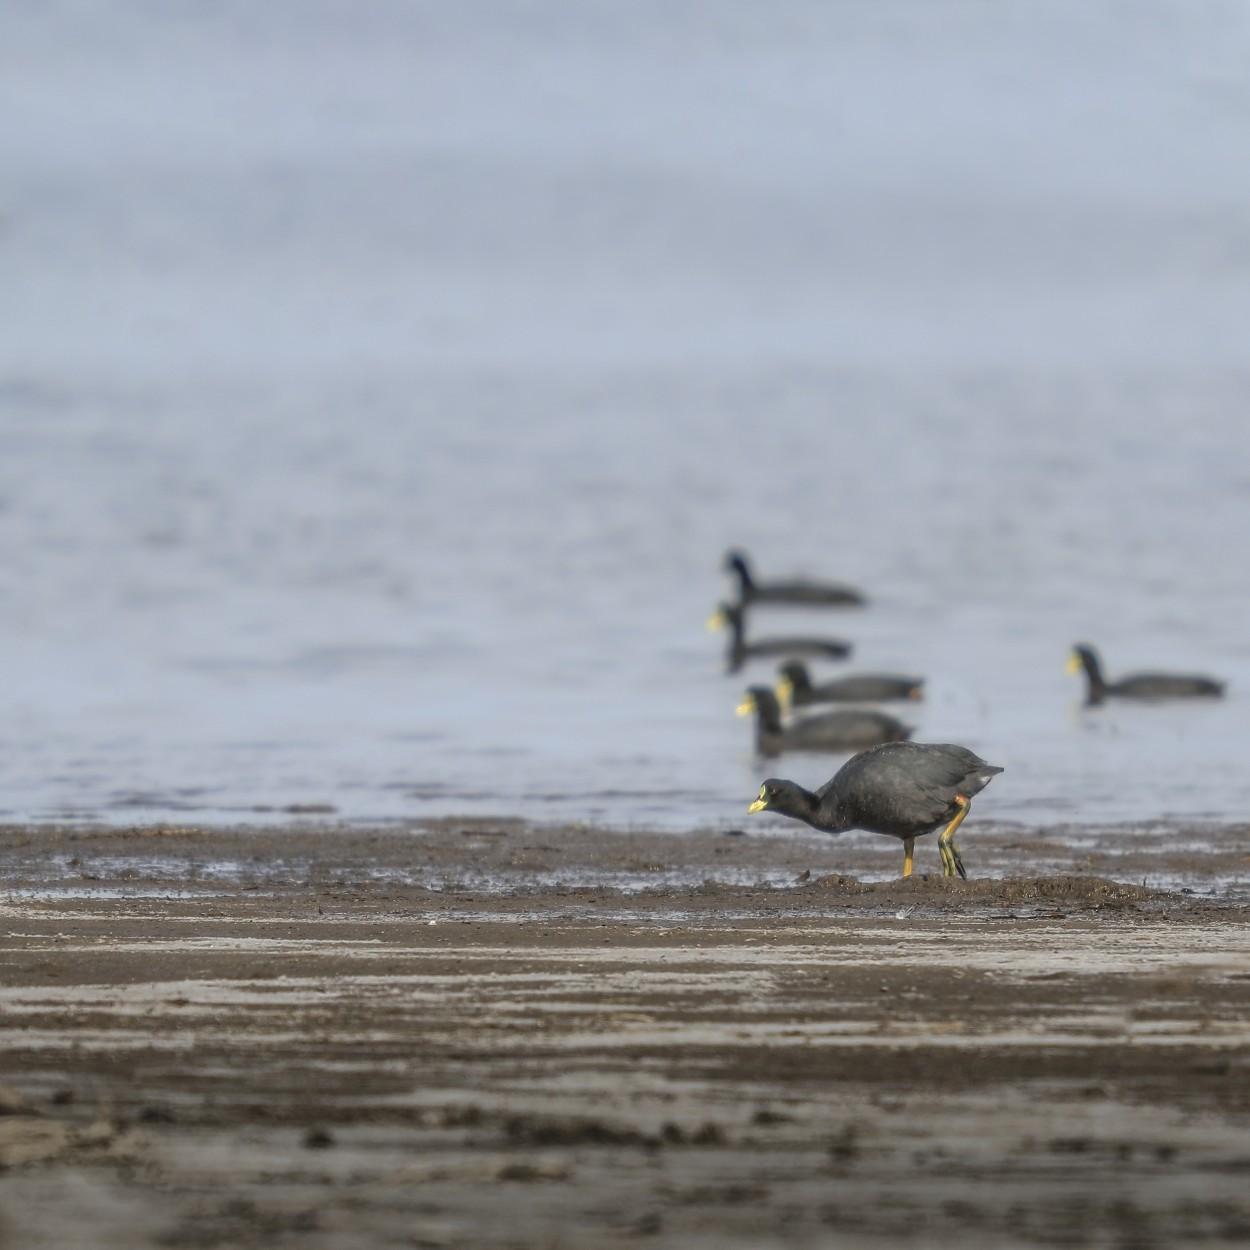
[
  {"x": 1138, "y": 685},
  {"x": 846, "y": 730},
  {"x": 904, "y": 789},
  {"x": 729, "y": 616},
  {"x": 796, "y": 688},
  {"x": 795, "y": 592}
]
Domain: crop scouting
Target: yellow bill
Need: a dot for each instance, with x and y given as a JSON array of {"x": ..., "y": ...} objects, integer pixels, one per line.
[
  {"x": 1073, "y": 665},
  {"x": 747, "y": 706}
]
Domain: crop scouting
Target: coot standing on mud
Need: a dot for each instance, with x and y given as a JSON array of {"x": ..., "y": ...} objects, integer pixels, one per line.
[
  {"x": 904, "y": 789},
  {"x": 794, "y": 592},
  {"x": 1138, "y": 685}
]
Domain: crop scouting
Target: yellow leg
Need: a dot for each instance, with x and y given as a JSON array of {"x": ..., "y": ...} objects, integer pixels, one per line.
[
  {"x": 909, "y": 845},
  {"x": 951, "y": 863}
]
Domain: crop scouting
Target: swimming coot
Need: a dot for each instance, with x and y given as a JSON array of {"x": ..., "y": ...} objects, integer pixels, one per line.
[
  {"x": 729, "y": 616},
  {"x": 795, "y": 689},
  {"x": 1138, "y": 685},
  {"x": 847, "y": 730},
  {"x": 796, "y": 592},
  {"x": 904, "y": 789}
]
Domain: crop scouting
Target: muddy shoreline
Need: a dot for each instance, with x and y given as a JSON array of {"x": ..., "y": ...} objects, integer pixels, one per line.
[{"x": 481, "y": 1035}]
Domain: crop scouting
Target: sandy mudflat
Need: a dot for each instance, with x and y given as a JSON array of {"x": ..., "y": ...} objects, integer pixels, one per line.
[{"x": 496, "y": 1035}]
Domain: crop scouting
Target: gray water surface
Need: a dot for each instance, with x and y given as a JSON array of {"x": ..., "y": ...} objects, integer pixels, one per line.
[{"x": 381, "y": 387}]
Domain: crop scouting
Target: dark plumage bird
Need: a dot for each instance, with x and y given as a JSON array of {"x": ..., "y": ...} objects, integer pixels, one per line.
[
  {"x": 795, "y": 689},
  {"x": 904, "y": 789},
  {"x": 1138, "y": 685},
  {"x": 795, "y": 592},
  {"x": 729, "y": 616},
  {"x": 848, "y": 730}
]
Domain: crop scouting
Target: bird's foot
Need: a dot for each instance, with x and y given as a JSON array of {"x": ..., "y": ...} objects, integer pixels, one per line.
[{"x": 952, "y": 863}]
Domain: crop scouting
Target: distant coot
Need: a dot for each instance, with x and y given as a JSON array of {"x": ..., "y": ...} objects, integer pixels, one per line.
[
  {"x": 850, "y": 729},
  {"x": 1138, "y": 685},
  {"x": 796, "y": 688},
  {"x": 794, "y": 592},
  {"x": 904, "y": 789},
  {"x": 729, "y": 616}
]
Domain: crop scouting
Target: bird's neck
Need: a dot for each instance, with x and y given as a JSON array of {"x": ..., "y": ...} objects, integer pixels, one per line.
[
  {"x": 769, "y": 714},
  {"x": 826, "y": 812},
  {"x": 1097, "y": 684},
  {"x": 745, "y": 584},
  {"x": 808, "y": 805}
]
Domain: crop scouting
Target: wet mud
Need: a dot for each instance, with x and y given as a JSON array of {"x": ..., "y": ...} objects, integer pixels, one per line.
[{"x": 470, "y": 1035}]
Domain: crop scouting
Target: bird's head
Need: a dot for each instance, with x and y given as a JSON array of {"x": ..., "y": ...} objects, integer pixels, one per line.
[
  {"x": 1082, "y": 657},
  {"x": 789, "y": 676},
  {"x": 779, "y": 796},
  {"x": 725, "y": 616},
  {"x": 756, "y": 698}
]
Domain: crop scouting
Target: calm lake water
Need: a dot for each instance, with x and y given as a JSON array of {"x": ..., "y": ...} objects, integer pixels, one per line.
[{"x": 381, "y": 387}]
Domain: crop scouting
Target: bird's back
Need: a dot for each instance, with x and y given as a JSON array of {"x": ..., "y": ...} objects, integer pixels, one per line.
[
  {"x": 1166, "y": 686},
  {"x": 904, "y": 788},
  {"x": 800, "y": 594},
  {"x": 846, "y": 730},
  {"x": 863, "y": 687}
]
